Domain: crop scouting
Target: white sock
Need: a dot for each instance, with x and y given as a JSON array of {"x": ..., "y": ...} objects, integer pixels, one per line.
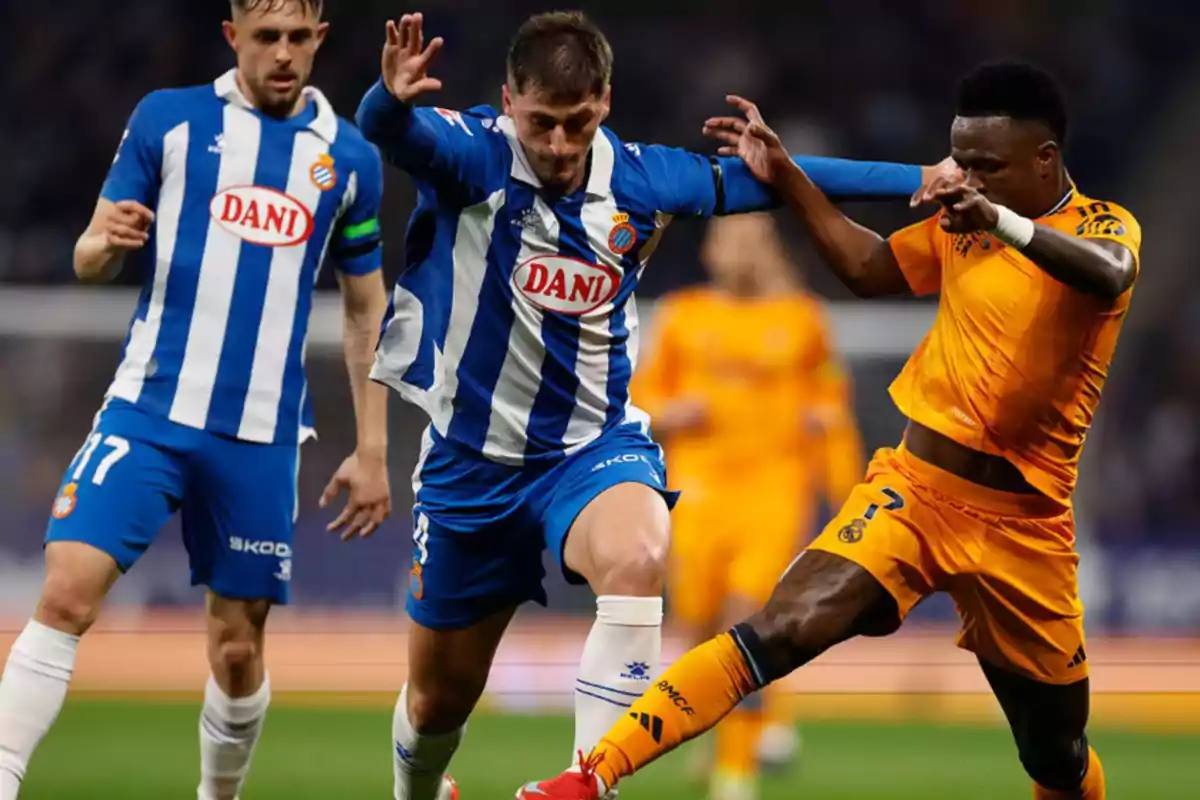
[
  {"x": 32, "y": 692},
  {"x": 229, "y": 731},
  {"x": 621, "y": 659},
  {"x": 419, "y": 762}
]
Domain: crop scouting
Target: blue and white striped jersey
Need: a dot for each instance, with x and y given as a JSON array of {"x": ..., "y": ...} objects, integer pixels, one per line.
[
  {"x": 246, "y": 207},
  {"x": 514, "y": 325}
]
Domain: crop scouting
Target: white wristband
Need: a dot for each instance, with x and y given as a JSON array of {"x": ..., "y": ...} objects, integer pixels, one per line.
[{"x": 1013, "y": 229}]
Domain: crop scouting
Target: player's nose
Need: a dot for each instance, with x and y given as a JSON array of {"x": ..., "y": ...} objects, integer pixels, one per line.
[{"x": 559, "y": 147}]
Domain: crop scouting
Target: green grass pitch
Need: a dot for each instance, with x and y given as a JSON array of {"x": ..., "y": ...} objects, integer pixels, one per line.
[{"x": 144, "y": 750}]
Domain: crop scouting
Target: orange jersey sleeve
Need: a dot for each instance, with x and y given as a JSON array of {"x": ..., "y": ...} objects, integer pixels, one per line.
[
  {"x": 1015, "y": 361},
  {"x": 916, "y": 253}
]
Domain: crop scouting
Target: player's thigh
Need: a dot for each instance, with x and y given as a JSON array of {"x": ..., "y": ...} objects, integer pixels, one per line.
[
  {"x": 239, "y": 518},
  {"x": 607, "y": 520},
  {"x": 1048, "y": 723},
  {"x": 448, "y": 670},
  {"x": 1022, "y": 611},
  {"x": 699, "y": 568},
  {"x": 463, "y": 575},
  {"x": 115, "y": 496}
]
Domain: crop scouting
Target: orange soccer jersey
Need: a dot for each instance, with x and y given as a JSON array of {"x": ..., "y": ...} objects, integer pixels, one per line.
[
  {"x": 1012, "y": 366},
  {"x": 1015, "y": 361},
  {"x": 777, "y": 430}
]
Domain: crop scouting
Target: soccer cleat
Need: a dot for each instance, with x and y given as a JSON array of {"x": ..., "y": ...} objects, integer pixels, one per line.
[
  {"x": 580, "y": 784},
  {"x": 449, "y": 790}
]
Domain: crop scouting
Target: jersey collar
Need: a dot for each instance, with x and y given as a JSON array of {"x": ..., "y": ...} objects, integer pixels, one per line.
[
  {"x": 599, "y": 183},
  {"x": 323, "y": 125}
]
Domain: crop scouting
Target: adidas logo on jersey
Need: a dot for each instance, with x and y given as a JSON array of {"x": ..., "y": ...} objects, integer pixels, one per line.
[
  {"x": 262, "y": 216},
  {"x": 565, "y": 285}
]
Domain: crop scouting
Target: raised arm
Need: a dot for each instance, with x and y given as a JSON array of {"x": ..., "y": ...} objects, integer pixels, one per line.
[
  {"x": 837, "y": 178},
  {"x": 862, "y": 259},
  {"x": 692, "y": 184},
  {"x": 430, "y": 144}
]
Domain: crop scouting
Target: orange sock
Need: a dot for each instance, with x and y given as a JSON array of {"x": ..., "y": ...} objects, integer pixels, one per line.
[
  {"x": 737, "y": 742},
  {"x": 1092, "y": 788},
  {"x": 692, "y": 696}
]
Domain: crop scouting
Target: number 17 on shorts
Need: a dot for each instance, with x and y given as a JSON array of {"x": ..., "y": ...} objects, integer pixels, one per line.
[
  {"x": 116, "y": 448},
  {"x": 115, "y": 496}
]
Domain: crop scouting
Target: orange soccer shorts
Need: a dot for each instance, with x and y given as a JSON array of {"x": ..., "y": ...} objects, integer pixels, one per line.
[
  {"x": 733, "y": 541},
  {"x": 1007, "y": 560}
]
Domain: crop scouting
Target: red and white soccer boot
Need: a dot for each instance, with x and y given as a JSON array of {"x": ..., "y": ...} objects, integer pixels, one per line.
[
  {"x": 574, "y": 784},
  {"x": 449, "y": 790}
]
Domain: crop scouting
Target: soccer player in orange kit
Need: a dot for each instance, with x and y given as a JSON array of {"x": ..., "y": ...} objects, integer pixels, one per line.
[
  {"x": 736, "y": 370},
  {"x": 1034, "y": 281}
]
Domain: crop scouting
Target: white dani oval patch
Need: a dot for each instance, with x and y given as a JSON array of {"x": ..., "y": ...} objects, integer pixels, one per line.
[
  {"x": 260, "y": 215},
  {"x": 565, "y": 285}
]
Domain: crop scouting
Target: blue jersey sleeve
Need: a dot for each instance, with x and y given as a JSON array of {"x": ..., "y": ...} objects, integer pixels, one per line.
[
  {"x": 437, "y": 145},
  {"x": 696, "y": 185},
  {"x": 136, "y": 171},
  {"x": 356, "y": 248}
]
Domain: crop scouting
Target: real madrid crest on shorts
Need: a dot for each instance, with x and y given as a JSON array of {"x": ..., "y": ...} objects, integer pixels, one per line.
[
  {"x": 853, "y": 532},
  {"x": 64, "y": 504},
  {"x": 323, "y": 175},
  {"x": 623, "y": 236}
]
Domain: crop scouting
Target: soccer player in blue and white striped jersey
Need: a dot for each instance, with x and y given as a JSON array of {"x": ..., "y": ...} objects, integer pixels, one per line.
[
  {"x": 514, "y": 328},
  {"x": 227, "y": 197}
]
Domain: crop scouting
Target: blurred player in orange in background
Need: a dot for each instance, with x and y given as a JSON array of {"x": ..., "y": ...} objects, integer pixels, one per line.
[{"x": 753, "y": 408}]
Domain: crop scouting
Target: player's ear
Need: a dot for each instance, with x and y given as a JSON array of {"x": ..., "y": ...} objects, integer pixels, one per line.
[
  {"x": 1047, "y": 159},
  {"x": 607, "y": 103},
  {"x": 230, "y": 31},
  {"x": 322, "y": 30},
  {"x": 506, "y": 100}
]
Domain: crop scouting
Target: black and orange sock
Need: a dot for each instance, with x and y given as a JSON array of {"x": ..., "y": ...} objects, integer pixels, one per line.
[
  {"x": 690, "y": 697},
  {"x": 1092, "y": 787}
]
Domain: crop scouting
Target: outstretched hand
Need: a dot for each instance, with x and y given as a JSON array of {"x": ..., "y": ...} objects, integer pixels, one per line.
[
  {"x": 406, "y": 59},
  {"x": 749, "y": 138}
]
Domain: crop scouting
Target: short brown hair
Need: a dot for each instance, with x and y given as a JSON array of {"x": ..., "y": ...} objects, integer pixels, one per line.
[
  {"x": 563, "y": 53},
  {"x": 315, "y": 6}
]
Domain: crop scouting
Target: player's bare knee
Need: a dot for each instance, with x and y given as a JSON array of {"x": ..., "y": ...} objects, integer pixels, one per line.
[
  {"x": 818, "y": 603},
  {"x": 235, "y": 636},
  {"x": 78, "y": 578},
  {"x": 795, "y": 631},
  {"x": 443, "y": 708},
  {"x": 637, "y": 570},
  {"x": 67, "y": 606}
]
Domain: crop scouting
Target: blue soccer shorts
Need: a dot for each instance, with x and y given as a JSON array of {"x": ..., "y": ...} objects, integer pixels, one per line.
[
  {"x": 238, "y": 500},
  {"x": 480, "y": 528}
]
